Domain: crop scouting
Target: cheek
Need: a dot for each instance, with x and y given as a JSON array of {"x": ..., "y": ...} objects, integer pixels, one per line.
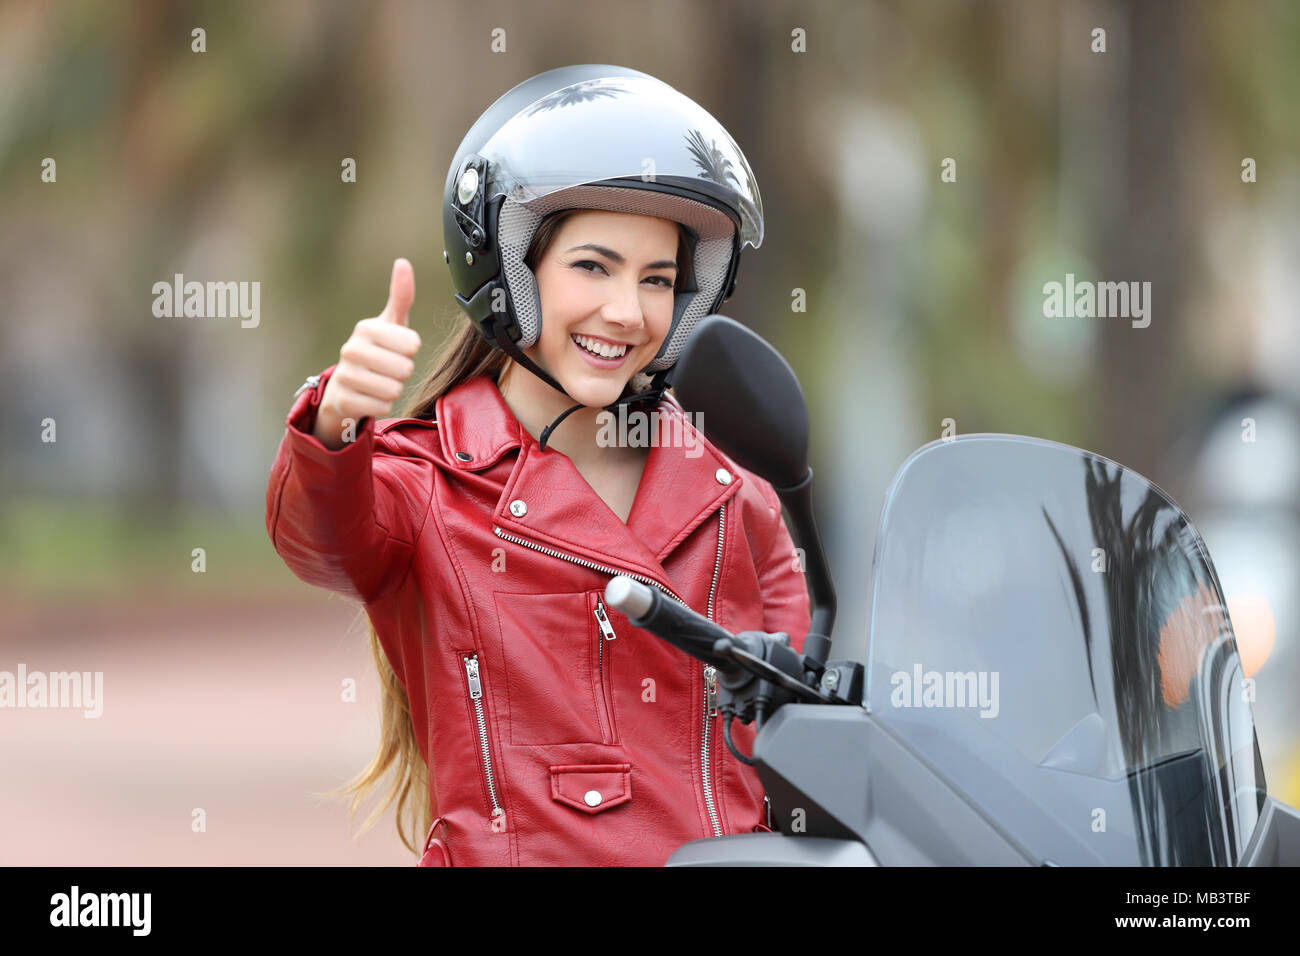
[
  {"x": 660, "y": 316},
  {"x": 578, "y": 293},
  {"x": 560, "y": 300}
]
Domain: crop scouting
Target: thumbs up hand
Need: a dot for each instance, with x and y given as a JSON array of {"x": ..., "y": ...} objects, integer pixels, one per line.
[{"x": 374, "y": 364}]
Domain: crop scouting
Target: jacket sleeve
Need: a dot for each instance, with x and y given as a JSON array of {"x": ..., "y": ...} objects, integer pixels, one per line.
[
  {"x": 345, "y": 520},
  {"x": 786, "y": 606}
]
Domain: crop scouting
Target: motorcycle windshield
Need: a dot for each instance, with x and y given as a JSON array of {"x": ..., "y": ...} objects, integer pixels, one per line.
[{"x": 1048, "y": 634}]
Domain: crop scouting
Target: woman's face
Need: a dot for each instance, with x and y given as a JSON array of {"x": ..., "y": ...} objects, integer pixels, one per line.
[{"x": 607, "y": 277}]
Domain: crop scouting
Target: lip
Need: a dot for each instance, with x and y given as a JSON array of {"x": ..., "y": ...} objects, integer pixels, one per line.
[{"x": 597, "y": 360}]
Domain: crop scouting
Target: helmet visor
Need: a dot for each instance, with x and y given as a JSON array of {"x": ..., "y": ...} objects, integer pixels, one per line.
[{"x": 622, "y": 128}]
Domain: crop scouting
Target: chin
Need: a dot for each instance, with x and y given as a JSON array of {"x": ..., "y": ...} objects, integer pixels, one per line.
[
  {"x": 595, "y": 394},
  {"x": 594, "y": 390}
]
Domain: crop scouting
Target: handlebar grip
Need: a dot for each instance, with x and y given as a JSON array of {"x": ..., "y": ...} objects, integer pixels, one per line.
[{"x": 648, "y": 608}]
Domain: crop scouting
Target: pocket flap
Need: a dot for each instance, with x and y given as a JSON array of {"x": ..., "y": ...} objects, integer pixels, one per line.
[{"x": 592, "y": 788}]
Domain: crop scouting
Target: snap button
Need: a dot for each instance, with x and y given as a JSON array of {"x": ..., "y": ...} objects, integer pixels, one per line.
[
  {"x": 464, "y": 455},
  {"x": 592, "y": 797},
  {"x": 518, "y": 508},
  {"x": 723, "y": 476}
]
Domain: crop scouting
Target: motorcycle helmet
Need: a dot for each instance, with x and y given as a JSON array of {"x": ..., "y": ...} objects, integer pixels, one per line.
[{"x": 593, "y": 136}]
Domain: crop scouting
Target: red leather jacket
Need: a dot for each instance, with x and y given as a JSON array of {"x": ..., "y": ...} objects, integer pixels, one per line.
[{"x": 557, "y": 733}]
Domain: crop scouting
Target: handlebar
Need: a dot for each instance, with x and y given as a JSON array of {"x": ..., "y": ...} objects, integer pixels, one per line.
[{"x": 754, "y": 667}]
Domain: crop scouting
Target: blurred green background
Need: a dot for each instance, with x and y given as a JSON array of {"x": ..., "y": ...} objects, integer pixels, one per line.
[{"x": 924, "y": 302}]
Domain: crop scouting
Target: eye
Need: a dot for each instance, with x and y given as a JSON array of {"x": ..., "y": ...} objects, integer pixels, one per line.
[{"x": 662, "y": 281}]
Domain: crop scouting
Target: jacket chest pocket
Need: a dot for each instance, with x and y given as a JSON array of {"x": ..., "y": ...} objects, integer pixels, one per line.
[{"x": 559, "y": 652}]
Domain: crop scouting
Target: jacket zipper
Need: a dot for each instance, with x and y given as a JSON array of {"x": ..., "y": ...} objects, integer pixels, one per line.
[
  {"x": 476, "y": 698},
  {"x": 587, "y": 564},
  {"x": 606, "y": 634},
  {"x": 710, "y": 672},
  {"x": 711, "y": 689}
]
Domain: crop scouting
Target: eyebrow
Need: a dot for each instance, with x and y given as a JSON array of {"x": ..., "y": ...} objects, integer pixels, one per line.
[{"x": 611, "y": 254}]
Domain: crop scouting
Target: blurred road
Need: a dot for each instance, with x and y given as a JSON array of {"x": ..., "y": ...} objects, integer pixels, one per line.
[{"x": 233, "y": 708}]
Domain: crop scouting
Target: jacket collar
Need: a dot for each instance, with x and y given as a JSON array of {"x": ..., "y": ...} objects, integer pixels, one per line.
[{"x": 683, "y": 483}]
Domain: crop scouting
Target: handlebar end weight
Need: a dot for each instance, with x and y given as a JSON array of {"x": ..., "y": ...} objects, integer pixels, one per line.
[{"x": 631, "y": 597}]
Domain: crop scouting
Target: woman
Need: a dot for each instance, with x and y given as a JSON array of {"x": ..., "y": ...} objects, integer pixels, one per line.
[{"x": 480, "y": 528}]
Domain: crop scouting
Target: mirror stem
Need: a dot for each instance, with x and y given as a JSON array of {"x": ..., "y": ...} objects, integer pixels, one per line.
[{"x": 797, "y": 501}]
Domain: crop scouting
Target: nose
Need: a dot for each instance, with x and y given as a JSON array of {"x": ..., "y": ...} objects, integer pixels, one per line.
[{"x": 623, "y": 307}]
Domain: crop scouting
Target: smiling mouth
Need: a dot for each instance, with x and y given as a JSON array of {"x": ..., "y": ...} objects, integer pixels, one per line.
[{"x": 599, "y": 349}]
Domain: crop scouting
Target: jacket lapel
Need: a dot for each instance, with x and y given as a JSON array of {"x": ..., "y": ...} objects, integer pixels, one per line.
[
  {"x": 680, "y": 487},
  {"x": 683, "y": 483}
]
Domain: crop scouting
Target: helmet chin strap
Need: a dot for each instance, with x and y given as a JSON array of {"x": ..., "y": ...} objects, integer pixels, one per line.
[{"x": 652, "y": 394}]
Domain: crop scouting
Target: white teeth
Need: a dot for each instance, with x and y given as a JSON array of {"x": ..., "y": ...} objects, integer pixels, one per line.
[{"x": 602, "y": 349}]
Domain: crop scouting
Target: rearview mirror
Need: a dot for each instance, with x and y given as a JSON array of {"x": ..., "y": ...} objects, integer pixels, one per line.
[{"x": 748, "y": 399}]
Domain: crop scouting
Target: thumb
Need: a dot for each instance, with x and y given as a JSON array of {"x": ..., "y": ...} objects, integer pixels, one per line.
[{"x": 401, "y": 293}]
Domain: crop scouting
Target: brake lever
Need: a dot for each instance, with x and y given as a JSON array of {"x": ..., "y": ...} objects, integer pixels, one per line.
[{"x": 765, "y": 670}]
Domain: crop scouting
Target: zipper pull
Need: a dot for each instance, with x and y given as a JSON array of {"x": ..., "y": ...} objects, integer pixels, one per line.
[
  {"x": 312, "y": 382},
  {"x": 603, "y": 620},
  {"x": 711, "y": 682},
  {"x": 475, "y": 688}
]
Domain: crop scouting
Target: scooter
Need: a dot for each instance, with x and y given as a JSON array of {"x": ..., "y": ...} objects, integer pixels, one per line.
[{"x": 1052, "y": 676}]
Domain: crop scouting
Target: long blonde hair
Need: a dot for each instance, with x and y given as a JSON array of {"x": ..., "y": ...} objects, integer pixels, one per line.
[{"x": 465, "y": 355}]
